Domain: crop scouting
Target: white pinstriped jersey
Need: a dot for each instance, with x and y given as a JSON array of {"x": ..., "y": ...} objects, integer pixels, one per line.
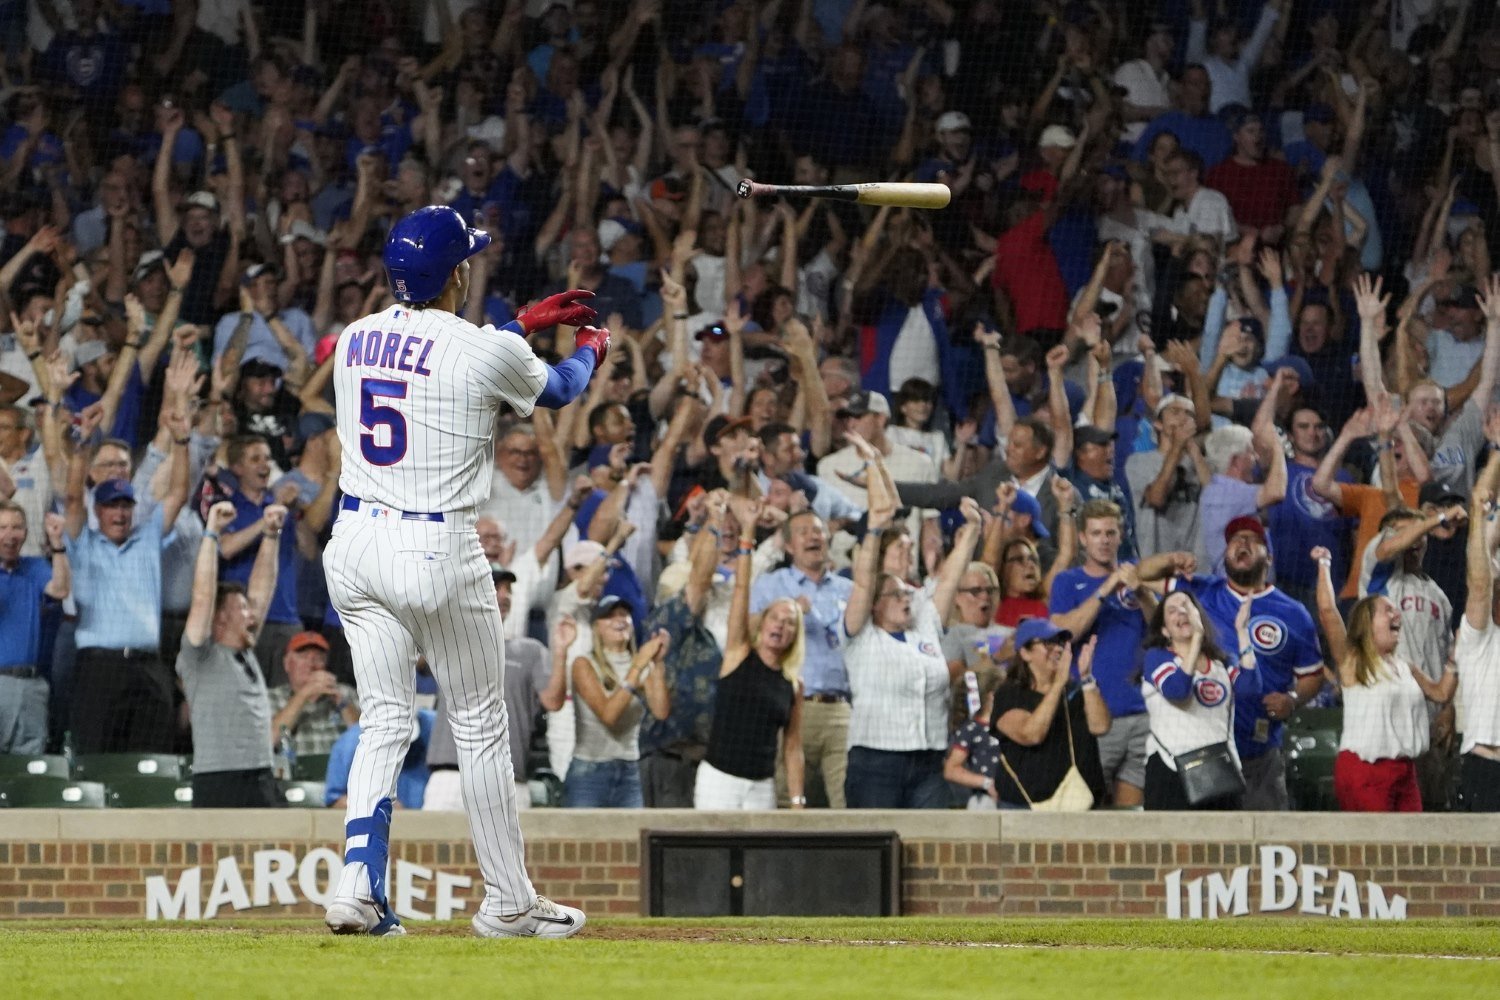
[{"x": 418, "y": 393}]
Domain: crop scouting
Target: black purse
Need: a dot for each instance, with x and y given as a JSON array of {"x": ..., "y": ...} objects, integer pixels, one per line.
[{"x": 1209, "y": 773}]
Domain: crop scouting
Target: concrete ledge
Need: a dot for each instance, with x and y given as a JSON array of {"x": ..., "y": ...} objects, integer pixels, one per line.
[
  {"x": 185, "y": 824},
  {"x": 327, "y": 825},
  {"x": 30, "y": 824},
  {"x": 1152, "y": 827},
  {"x": 1385, "y": 828}
]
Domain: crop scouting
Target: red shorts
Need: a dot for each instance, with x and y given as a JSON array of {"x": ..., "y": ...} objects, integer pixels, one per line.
[{"x": 1388, "y": 785}]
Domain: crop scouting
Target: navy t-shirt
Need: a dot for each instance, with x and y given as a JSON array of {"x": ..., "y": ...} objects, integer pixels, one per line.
[
  {"x": 1121, "y": 630},
  {"x": 1286, "y": 645},
  {"x": 1304, "y": 521},
  {"x": 283, "y": 609}
]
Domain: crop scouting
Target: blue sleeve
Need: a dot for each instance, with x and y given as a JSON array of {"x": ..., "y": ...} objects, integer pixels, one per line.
[
  {"x": 1247, "y": 685},
  {"x": 1213, "y": 326},
  {"x": 1279, "y": 335},
  {"x": 566, "y": 382},
  {"x": 1161, "y": 669}
]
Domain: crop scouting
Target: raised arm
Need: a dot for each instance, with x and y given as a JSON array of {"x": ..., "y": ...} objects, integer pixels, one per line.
[
  {"x": 994, "y": 377},
  {"x": 1057, "y": 406},
  {"x": 737, "y": 643},
  {"x": 161, "y": 172},
  {"x": 958, "y": 560},
  {"x": 262, "y": 586},
  {"x": 1324, "y": 481},
  {"x": 200, "y": 617},
  {"x": 703, "y": 556},
  {"x": 866, "y": 569},
  {"x": 1372, "y": 310}
]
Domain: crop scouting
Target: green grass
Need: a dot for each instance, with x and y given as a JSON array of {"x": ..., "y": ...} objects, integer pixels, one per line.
[{"x": 774, "y": 959}]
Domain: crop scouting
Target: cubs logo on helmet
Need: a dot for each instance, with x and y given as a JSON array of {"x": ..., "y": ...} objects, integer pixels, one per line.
[
  {"x": 1209, "y": 692},
  {"x": 1268, "y": 634}
]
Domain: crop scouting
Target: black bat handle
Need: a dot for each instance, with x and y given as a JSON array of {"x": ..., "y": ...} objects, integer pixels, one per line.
[{"x": 838, "y": 192}]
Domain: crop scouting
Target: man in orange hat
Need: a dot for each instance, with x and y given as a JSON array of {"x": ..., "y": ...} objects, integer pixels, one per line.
[{"x": 312, "y": 706}]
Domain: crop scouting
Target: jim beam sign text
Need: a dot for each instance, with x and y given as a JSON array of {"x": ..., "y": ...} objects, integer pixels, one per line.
[{"x": 1284, "y": 885}]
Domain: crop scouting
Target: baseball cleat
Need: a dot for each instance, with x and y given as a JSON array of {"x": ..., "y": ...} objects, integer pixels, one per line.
[
  {"x": 545, "y": 919},
  {"x": 355, "y": 916}
]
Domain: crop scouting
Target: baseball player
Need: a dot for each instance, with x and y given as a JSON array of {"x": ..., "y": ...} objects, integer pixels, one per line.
[{"x": 418, "y": 390}]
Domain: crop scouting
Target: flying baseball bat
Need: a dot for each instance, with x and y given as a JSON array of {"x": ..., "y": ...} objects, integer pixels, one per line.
[{"x": 896, "y": 193}]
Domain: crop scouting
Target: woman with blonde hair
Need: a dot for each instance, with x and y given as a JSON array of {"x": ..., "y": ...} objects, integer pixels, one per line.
[
  {"x": 972, "y": 640},
  {"x": 758, "y": 707},
  {"x": 1385, "y": 714},
  {"x": 613, "y": 688}
]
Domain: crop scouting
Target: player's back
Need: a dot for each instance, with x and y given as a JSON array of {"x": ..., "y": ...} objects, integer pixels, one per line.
[{"x": 418, "y": 392}]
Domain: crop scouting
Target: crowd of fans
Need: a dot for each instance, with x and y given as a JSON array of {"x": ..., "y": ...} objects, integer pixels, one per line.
[{"x": 1024, "y": 503}]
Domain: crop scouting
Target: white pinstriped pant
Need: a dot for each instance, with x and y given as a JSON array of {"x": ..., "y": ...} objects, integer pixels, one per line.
[{"x": 405, "y": 587}]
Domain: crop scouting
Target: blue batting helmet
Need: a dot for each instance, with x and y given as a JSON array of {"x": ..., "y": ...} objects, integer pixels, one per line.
[{"x": 424, "y": 248}]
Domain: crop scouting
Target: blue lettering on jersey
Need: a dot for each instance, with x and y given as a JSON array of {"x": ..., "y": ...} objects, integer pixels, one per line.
[{"x": 386, "y": 350}]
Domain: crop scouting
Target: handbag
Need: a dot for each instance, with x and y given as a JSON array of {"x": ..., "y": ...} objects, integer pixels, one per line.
[
  {"x": 1072, "y": 794},
  {"x": 1209, "y": 773}
]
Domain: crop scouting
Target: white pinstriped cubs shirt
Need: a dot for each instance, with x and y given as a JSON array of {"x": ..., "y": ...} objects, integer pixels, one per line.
[{"x": 418, "y": 393}]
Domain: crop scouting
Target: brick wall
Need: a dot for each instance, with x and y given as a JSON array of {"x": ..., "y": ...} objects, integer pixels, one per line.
[{"x": 74, "y": 864}]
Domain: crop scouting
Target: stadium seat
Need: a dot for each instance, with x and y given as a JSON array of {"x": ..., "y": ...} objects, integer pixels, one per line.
[
  {"x": 303, "y": 794},
  {"x": 1311, "y": 743},
  {"x": 20, "y": 765},
  {"x": 106, "y": 767},
  {"x": 47, "y": 792},
  {"x": 311, "y": 767},
  {"x": 148, "y": 793}
]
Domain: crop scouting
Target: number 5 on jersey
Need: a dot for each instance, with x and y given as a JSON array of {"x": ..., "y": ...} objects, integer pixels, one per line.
[{"x": 373, "y": 415}]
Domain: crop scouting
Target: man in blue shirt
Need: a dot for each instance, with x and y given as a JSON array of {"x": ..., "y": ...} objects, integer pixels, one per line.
[
  {"x": 249, "y": 458},
  {"x": 1287, "y": 657},
  {"x": 1103, "y": 597},
  {"x": 810, "y": 581},
  {"x": 1304, "y": 521},
  {"x": 122, "y": 692},
  {"x": 27, "y": 584}
]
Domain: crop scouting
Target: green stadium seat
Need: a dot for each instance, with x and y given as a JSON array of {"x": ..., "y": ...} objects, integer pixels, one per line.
[
  {"x": 47, "y": 792},
  {"x": 311, "y": 767},
  {"x": 20, "y": 765},
  {"x": 1310, "y": 745},
  {"x": 303, "y": 794},
  {"x": 106, "y": 767},
  {"x": 149, "y": 793}
]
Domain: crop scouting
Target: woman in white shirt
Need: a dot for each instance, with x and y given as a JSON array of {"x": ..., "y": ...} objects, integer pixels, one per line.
[
  {"x": 898, "y": 677},
  {"x": 613, "y": 688},
  {"x": 1190, "y": 686},
  {"x": 1385, "y": 714},
  {"x": 915, "y": 402}
]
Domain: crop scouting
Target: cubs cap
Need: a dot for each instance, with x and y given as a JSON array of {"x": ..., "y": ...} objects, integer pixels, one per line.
[{"x": 1039, "y": 630}]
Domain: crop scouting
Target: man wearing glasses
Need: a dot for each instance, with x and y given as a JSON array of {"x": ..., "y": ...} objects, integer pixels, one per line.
[{"x": 521, "y": 497}]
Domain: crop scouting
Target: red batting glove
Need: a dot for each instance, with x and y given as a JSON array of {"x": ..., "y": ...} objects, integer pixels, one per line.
[
  {"x": 595, "y": 337},
  {"x": 560, "y": 308}
]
